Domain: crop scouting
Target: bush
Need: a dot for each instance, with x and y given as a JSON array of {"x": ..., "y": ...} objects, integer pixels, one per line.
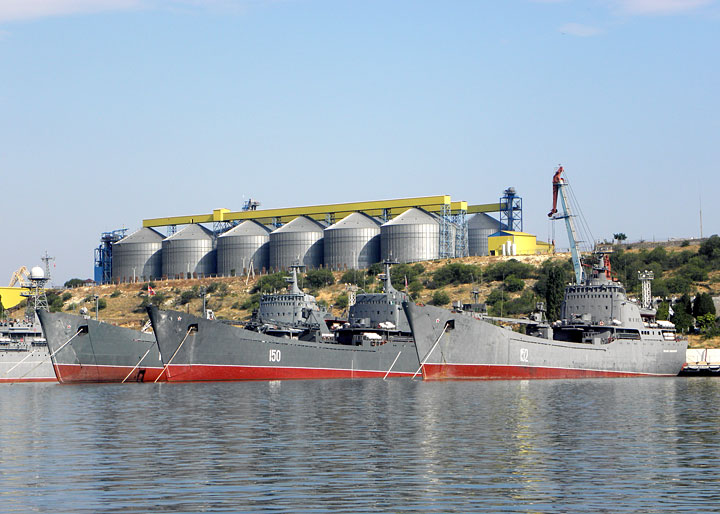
[
  {"x": 272, "y": 282},
  {"x": 415, "y": 288},
  {"x": 678, "y": 285},
  {"x": 440, "y": 298},
  {"x": 495, "y": 296},
  {"x": 66, "y": 297},
  {"x": 375, "y": 269},
  {"x": 498, "y": 272},
  {"x": 74, "y": 282},
  {"x": 101, "y": 303},
  {"x": 525, "y": 304},
  {"x": 186, "y": 297},
  {"x": 341, "y": 302},
  {"x": 513, "y": 284},
  {"x": 400, "y": 272},
  {"x": 158, "y": 300},
  {"x": 354, "y": 276},
  {"x": 115, "y": 293},
  {"x": 693, "y": 272},
  {"x": 319, "y": 277},
  {"x": 71, "y": 307},
  {"x": 219, "y": 289},
  {"x": 659, "y": 255},
  {"x": 252, "y": 302},
  {"x": 457, "y": 273},
  {"x": 710, "y": 248}
]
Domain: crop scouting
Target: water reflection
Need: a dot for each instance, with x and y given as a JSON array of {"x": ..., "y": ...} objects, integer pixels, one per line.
[{"x": 361, "y": 445}]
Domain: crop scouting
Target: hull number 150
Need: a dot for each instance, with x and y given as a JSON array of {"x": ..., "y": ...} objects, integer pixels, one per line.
[{"x": 274, "y": 355}]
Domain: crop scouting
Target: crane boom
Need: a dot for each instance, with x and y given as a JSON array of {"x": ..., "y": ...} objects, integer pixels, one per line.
[
  {"x": 20, "y": 276},
  {"x": 559, "y": 189}
]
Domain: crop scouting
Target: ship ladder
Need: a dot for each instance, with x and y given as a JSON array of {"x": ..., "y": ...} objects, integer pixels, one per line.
[
  {"x": 427, "y": 356},
  {"x": 45, "y": 360},
  {"x": 174, "y": 354}
]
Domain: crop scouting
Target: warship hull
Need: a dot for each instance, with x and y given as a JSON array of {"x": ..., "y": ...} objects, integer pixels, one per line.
[
  {"x": 86, "y": 350},
  {"x": 459, "y": 346},
  {"x": 197, "y": 349},
  {"x": 26, "y": 365}
]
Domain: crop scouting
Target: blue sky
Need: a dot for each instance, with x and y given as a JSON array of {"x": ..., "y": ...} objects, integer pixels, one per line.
[{"x": 113, "y": 111}]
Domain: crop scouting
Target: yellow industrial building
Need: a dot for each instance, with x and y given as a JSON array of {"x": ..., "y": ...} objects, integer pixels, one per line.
[{"x": 509, "y": 242}]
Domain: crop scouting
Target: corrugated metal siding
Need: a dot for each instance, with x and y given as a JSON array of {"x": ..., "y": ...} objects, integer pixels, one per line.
[
  {"x": 301, "y": 241},
  {"x": 411, "y": 237},
  {"x": 246, "y": 244},
  {"x": 189, "y": 251},
  {"x": 353, "y": 243},
  {"x": 138, "y": 255}
]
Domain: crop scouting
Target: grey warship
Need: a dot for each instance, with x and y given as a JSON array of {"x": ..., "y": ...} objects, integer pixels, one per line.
[
  {"x": 289, "y": 338},
  {"x": 88, "y": 350},
  {"x": 601, "y": 333},
  {"x": 24, "y": 355}
]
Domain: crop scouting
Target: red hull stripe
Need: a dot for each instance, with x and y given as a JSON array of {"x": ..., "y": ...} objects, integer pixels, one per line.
[
  {"x": 35, "y": 379},
  {"x": 75, "y": 373},
  {"x": 204, "y": 372},
  {"x": 500, "y": 372}
]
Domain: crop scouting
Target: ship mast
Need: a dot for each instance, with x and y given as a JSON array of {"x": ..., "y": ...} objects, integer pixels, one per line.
[{"x": 559, "y": 186}]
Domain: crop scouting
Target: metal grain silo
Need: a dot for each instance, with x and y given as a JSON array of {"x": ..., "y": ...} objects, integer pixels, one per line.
[
  {"x": 352, "y": 243},
  {"x": 413, "y": 236},
  {"x": 480, "y": 227},
  {"x": 137, "y": 256},
  {"x": 247, "y": 243},
  {"x": 301, "y": 241},
  {"x": 189, "y": 252}
]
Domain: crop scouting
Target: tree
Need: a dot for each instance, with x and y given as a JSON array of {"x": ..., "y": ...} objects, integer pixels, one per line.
[
  {"x": 682, "y": 314},
  {"x": 513, "y": 284},
  {"x": 711, "y": 247},
  {"x": 663, "y": 311},
  {"x": 554, "y": 292},
  {"x": 319, "y": 277},
  {"x": 702, "y": 305},
  {"x": 271, "y": 282},
  {"x": 341, "y": 302},
  {"x": 440, "y": 298},
  {"x": 708, "y": 324},
  {"x": 456, "y": 273},
  {"x": 619, "y": 237},
  {"x": 74, "y": 282}
]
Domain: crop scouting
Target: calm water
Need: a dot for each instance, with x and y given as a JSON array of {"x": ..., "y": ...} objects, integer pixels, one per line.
[{"x": 636, "y": 445}]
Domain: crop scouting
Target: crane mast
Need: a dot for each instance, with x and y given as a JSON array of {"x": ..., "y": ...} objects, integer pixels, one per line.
[{"x": 559, "y": 189}]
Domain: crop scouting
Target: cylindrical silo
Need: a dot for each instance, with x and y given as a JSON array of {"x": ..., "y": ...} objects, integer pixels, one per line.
[
  {"x": 189, "y": 252},
  {"x": 300, "y": 241},
  {"x": 352, "y": 243},
  {"x": 480, "y": 227},
  {"x": 413, "y": 236},
  {"x": 137, "y": 256},
  {"x": 242, "y": 246}
]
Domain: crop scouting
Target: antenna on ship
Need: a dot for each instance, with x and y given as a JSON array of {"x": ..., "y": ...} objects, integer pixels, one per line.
[
  {"x": 386, "y": 278},
  {"x": 36, "y": 298}
]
